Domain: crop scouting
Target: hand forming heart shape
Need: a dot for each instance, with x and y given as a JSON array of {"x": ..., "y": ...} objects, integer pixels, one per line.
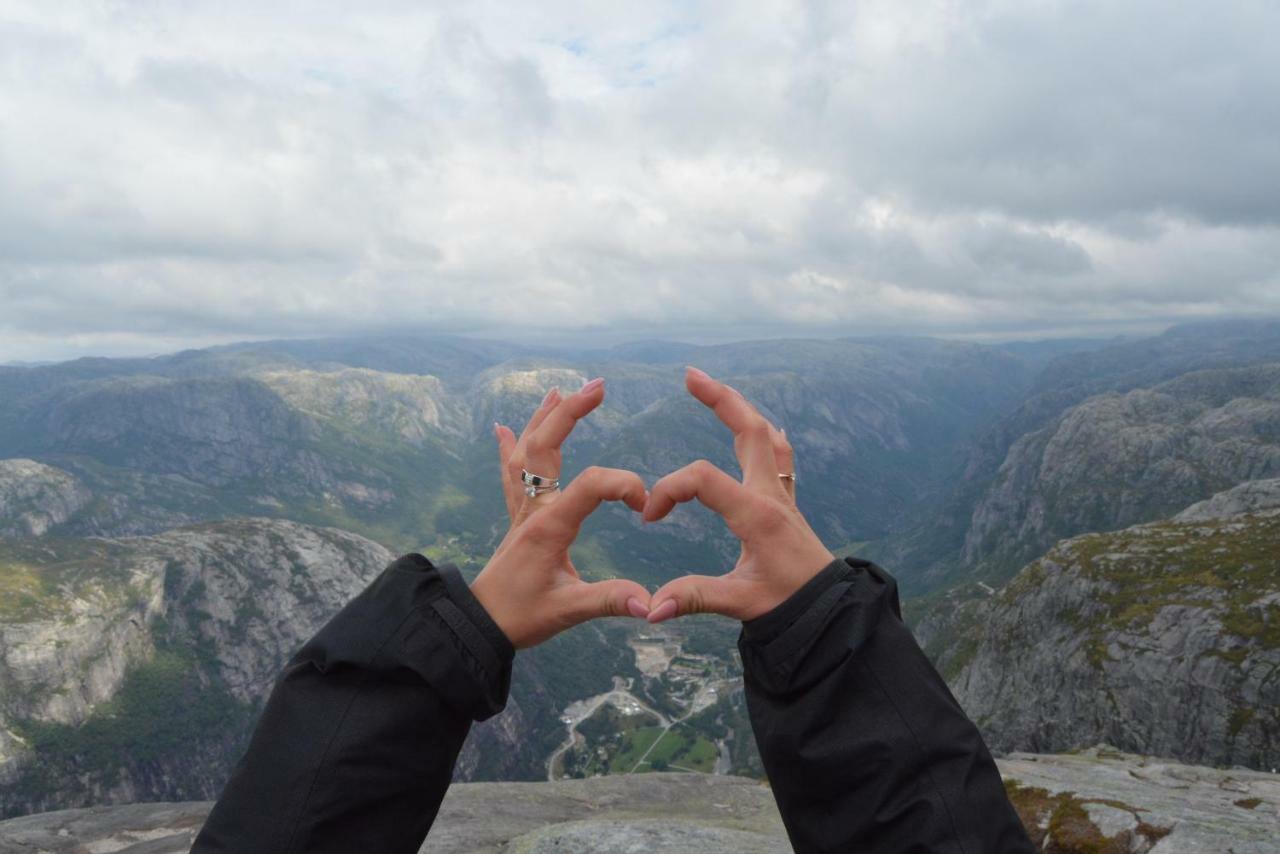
[{"x": 530, "y": 586}]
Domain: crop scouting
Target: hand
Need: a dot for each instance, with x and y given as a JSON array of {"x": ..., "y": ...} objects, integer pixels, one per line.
[
  {"x": 780, "y": 552},
  {"x": 530, "y": 587}
]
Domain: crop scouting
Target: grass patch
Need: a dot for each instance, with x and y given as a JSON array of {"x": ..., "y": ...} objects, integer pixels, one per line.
[{"x": 1060, "y": 822}]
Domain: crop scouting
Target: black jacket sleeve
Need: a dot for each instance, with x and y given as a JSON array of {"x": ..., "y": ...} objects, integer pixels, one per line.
[
  {"x": 865, "y": 747},
  {"x": 356, "y": 745}
]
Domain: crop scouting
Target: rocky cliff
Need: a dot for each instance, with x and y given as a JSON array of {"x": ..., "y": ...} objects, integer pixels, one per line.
[
  {"x": 35, "y": 498},
  {"x": 1099, "y": 800},
  {"x": 1162, "y": 638},
  {"x": 1120, "y": 459},
  {"x": 133, "y": 667}
]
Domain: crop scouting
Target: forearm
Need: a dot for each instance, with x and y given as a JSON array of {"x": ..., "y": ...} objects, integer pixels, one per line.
[
  {"x": 356, "y": 746},
  {"x": 864, "y": 745}
]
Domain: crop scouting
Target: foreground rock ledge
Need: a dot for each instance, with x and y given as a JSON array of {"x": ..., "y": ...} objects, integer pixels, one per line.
[{"x": 1096, "y": 798}]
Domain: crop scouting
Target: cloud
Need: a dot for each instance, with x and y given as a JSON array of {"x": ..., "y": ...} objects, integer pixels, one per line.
[{"x": 204, "y": 171}]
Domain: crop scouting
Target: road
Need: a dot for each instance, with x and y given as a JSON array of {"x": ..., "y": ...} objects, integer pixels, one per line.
[
  {"x": 583, "y": 709},
  {"x": 705, "y": 697}
]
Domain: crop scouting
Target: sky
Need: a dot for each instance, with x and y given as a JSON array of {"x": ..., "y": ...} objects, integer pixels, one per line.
[{"x": 178, "y": 174}]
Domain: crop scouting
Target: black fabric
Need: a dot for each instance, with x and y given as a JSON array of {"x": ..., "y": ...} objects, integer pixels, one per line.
[
  {"x": 865, "y": 747},
  {"x": 356, "y": 745}
]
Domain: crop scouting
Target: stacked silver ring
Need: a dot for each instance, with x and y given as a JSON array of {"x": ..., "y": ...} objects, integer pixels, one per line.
[
  {"x": 791, "y": 477},
  {"x": 536, "y": 484}
]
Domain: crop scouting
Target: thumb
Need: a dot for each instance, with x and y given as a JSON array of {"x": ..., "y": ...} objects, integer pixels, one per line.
[
  {"x": 697, "y": 594},
  {"x": 616, "y": 597}
]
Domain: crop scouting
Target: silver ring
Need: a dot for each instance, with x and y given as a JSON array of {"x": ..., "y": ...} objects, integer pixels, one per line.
[
  {"x": 535, "y": 491},
  {"x": 538, "y": 481},
  {"x": 791, "y": 477}
]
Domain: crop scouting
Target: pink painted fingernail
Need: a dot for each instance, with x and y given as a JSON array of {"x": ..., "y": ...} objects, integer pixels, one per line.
[
  {"x": 665, "y": 611},
  {"x": 697, "y": 371},
  {"x": 592, "y": 386},
  {"x": 550, "y": 394},
  {"x": 637, "y": 608}
]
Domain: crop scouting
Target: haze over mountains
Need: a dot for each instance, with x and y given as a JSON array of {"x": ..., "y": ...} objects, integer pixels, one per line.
[{"x": 158, "y": 538}]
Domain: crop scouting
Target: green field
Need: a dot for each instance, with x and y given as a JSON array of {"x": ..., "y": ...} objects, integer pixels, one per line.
[{"x": 681, "y": 749}]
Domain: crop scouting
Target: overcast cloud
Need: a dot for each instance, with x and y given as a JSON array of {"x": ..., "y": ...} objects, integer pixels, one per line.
[{"x": 175, "y": 174}]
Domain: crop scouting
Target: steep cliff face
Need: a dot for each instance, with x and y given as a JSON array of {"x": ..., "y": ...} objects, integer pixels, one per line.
[
  {"x": 134, "y": 667},
  {"x": 35, "y": 498},
  {"x": 1162, "y": 638},
  {"x": 1117, "y": 460}
]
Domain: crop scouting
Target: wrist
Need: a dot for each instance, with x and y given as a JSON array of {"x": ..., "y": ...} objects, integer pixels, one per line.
[
  {"x": 484, "y": 591},
  {"x": 785, "y": 612}
]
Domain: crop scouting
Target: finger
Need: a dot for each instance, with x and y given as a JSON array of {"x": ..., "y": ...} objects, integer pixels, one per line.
[
  {"x": 506, "y": 446},
  {"x": 594, "y": 485},
  {"x": 698, "y": 594},
  {"x": 539, "y": 415},
  {"x": 514, "y": 464},
  {"x": 752, "y": 441},
  {"x": 703, "y": 481},
  {"x": 542, "y": 447},
  {"x": 616, "y": 597},
  {"x": 785, "y": 457}
]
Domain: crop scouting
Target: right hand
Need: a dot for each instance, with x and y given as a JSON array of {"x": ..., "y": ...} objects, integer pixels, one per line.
[{"x": 780, "y": 552}]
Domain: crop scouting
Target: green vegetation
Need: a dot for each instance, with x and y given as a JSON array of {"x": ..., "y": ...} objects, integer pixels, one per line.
[
  {"x": 683, "y": 750},
  {"x": 615, "y": 743},
  {"x": 162, "y": 714},
  {"x": 1224, "y": 566},
  {"x": 24, "y": 594},
  {"x": 37, "y": 577},
  {"x": 1059, "y": 822}
]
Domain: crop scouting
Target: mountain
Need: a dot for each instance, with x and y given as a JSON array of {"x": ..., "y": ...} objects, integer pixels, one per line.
[
  {"x": 1162, "y": 638},
  {"x": 393, "y": 438},
  {"x": 150, "y": 509},
  {"x": 134, "y": 667},
  {"x": 1119, "y": 459},
  {"x": 1034, "y": 475}
]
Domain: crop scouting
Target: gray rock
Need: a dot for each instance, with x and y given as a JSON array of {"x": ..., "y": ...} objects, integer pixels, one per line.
[
  {"x": 1124, "y": 802},
  {"x": 647, "y": 812},
  {"x": 233, "y": 600},
  {"x": 1161, "y": 639},
  {"x": 1152, "y": 804},
  {"x": 35, "y": 497},
  {"x": 1116, "y": 460},
  {"x": 1251, "y": 497}
]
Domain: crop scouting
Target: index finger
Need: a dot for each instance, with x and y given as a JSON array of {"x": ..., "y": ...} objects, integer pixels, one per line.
[
  {"x": 559, "y": 422},
  {"x": 752, "y": 433},
  {"x": 585, "y": 493},
  {"x": 711, "y": 486}
]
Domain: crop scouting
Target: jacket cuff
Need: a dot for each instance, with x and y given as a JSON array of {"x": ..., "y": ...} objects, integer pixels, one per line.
[
  {"x": 477, "y": 679},
  {"x": 776, "y": 647}
]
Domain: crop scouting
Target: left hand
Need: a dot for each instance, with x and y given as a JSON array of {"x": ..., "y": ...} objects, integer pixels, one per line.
[{"x": 530, "y": 586}]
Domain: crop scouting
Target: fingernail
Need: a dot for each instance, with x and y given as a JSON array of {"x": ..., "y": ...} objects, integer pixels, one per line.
[
  {"x": 637, "y": 608},
  {"x": 665, "y": 611},
  {"x": 593, "y": 385},
  {"x": 550, "y": 394},
  {"x": 697, "y": 371},
  {"x": 496, "y": 434}
]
